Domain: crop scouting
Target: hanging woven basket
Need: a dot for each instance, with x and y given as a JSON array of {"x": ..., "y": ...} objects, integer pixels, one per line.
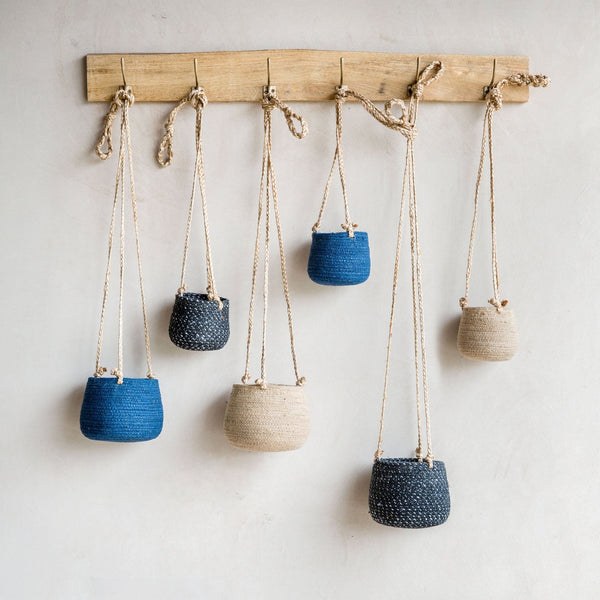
[
  {"x": 121, "y": 409},
  {"x": 338, "y": 259},
  {"x": 128, "y": 412},
  {"x": 489, "y": 333},
  {"x": 197, "y": 323},
  {"x": 273, "y": 419},
  {"x": 410, "y": 492},
  {"x": 407, "y": 493},
  {"x": 265, "y": 417},
  {"x": 486, "y": 334}
]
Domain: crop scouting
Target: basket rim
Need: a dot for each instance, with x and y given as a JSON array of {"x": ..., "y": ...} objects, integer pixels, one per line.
[
  {"x": 200, "y": 295},
  {"x": 113, "y": 380},
  {"x": 339, "y": 233},
  {"x": 269, "y": 386},
  {"x": 486, "y": 309},
  {"x": 402, "y": 461}
]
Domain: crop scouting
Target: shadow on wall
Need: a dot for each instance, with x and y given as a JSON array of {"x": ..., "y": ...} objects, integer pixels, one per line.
[
  {"x": 448, "y": 353},
  {"x": 356, "y": 503},
  {"x": 70, "y": 430},
  {"x": 161, "y": 342}
]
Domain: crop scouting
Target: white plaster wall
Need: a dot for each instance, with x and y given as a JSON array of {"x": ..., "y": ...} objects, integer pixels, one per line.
[{"x": 186, "y": 516}]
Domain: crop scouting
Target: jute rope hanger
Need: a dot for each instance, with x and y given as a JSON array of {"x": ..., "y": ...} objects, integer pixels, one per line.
[
  {"x": 493, "y": 104},
  {"x": 408, "y": 118},
  {"x": 385, "y": 117},
  {"x": 268, "y": 196},
  {"x": 198, "y": 101},
  {"x": 123, "y": 100}
]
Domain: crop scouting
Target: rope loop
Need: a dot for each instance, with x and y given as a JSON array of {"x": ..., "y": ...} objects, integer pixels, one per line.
[
  {"x": 493, "y": 104},
  {"x": 123, "y": 97},
  {"x": 271, "y": 101},
  {"x": 431, "y": 73}
]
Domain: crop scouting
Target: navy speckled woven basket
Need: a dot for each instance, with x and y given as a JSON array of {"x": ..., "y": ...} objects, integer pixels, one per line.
[
  {"x": 128, "y": 412},
  {"x": 197, "y": 323},
  {"x": 338, "y": 259},
  {"x": 407, "y": 493}
]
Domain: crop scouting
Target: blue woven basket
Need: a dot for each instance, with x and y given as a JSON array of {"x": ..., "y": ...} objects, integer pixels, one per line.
[
  {"x": 338, "y": 259},
  {"x": 407, "y": 493},
  {"x": 129, "y": 412},
  {"x": 197, "y": 323}
]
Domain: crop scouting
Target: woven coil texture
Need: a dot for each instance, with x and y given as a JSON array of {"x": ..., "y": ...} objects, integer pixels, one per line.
[
  {"x": 339, "y": 259},
  {"x": 273, "y": 419},
  {"x": 486, "y": 334},
  {"x": 407, "y": 493},
  {"x": 197, "y": 323},
  {"x": 128, "y": 412}
]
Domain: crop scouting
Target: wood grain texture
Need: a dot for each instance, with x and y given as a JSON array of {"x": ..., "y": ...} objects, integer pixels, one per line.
[{"x": 299, "y": 75}]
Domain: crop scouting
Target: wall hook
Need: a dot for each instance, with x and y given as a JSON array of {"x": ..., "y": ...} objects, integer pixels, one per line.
[
  {"x": 416, "y": 75},
  {"x": 269, "y": 90},
  {"x": 196, "y": 71},
  {"x": 123, "y": 71},
  {"x": 487, "y": 88},
  {"x": 341, "y": 71}
]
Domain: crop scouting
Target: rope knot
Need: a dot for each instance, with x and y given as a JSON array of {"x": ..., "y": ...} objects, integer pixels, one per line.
[
  {"x": 100, "y": 371},
  {"x": 378, "y": 454},
  {"x": 494, "y": 98},
  {"x": 463, "y": 302},
  {"x": 150, "y": 375},
  {"x": 498, "y": 304},
  {"x": 262, "y": 383},
  {"x": 245, "y": 379},
  {"x": 341, "y": 93},
  {"x": 118, "y": 374},
  {"x": 417, "y": 90},
  {"x": 300, "y": 381},
  {"x": 124, "y": 97},
  {"x": 349, "y": 227},
  {"x": 182, "y": 289},
  {"x": 197, "y": 99}
]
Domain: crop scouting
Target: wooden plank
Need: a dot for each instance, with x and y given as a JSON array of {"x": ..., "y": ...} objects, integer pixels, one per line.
[{"x": 299, "y": 75}]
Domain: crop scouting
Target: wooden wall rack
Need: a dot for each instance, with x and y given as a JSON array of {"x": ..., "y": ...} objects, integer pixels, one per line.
[{"x": 299, "y": 75}]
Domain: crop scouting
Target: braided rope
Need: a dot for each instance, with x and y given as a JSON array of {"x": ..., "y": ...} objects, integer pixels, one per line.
[
  {"x": 123, "y": 99},
  {"x": 493, "y": 104},
  {"x": 405, "y": 124},
  {"x": 268, "y": 191},
  {"x": 198, "y": 100}
]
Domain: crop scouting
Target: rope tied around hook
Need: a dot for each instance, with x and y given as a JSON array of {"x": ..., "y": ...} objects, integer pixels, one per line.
[
  {"x": 267, "y": 197},
  {"x": 124, "y": 96},
  {"x": 198, "y": 101},
  {"x": 493, "y": 104},
  {"x": 122, "y": 100},
  {"x": 409, "y": 115}
]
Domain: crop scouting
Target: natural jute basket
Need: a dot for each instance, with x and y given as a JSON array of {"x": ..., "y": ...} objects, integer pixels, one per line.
[
  {"x": 486, "y": 334},
  {"x": 273, "y": 419}
]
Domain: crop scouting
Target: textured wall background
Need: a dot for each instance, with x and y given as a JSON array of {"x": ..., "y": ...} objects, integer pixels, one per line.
[{"x": 186, "y": 516}]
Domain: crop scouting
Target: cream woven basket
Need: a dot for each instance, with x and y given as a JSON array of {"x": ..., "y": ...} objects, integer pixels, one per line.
[
  {"x": 486, "y": 334},
  {"x": 274, "y": 419}
]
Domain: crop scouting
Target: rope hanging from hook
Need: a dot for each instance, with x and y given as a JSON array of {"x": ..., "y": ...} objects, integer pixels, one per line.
[
  {"x": 267, "y": 197},
  {"x": 198, "y": 101},
  {"x": 493, "y": 104},
  {"x": 122, "y": 100},
  {"x": 408, "y": 119}
]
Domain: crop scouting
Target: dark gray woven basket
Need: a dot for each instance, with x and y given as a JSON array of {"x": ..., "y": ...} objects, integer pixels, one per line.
[
  {"x": 407, "y": 493},
  {"x": 197, "y": 323}
]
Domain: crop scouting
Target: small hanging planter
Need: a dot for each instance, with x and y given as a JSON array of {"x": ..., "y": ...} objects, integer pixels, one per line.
[
  {"x": 490, "y": 333},
  {"x": 407, "y": 493},
  {"x": 410, "y": 492},
  {"x": 198, "y": 321},
  {"x": 121, "y": 409},
  {"x": 339, "y": 258},
  {"x": 266, "y": 417},
  {"x": 272, "y": 419}
]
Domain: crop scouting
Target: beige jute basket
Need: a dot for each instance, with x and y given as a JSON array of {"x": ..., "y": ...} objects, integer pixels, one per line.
[
  {"x": 485, "y": 333},
  {"x": 274, "y": 419}
]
